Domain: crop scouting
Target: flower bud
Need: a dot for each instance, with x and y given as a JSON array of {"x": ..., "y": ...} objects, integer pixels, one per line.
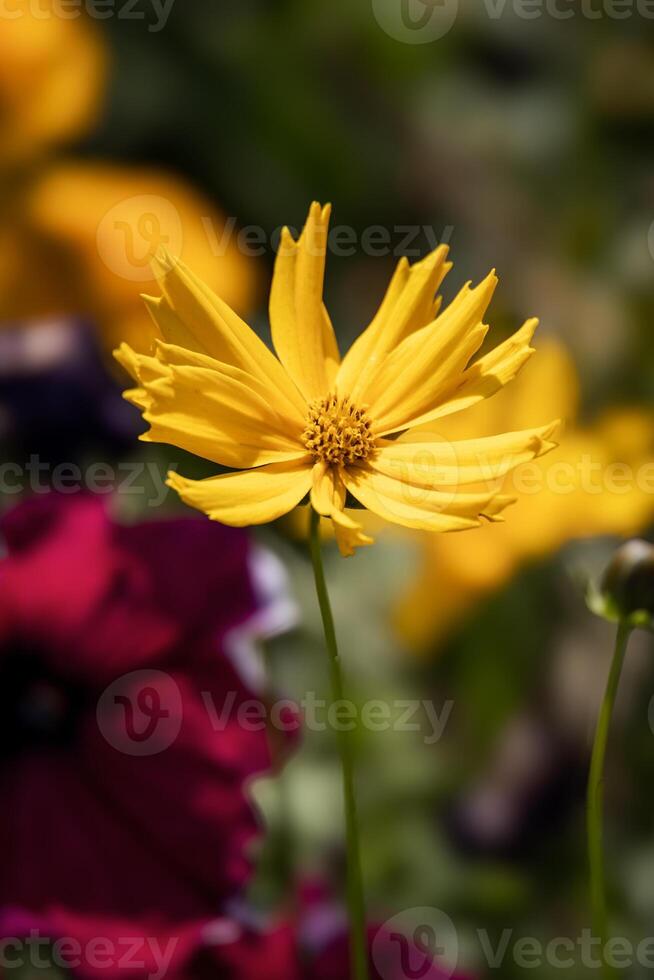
[{"x": 628, "y": 583}]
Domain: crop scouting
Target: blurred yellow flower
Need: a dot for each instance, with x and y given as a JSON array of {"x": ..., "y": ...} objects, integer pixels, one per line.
[
  {"x": 52, "y": 78},
  {"x": 600, "y": 480},
  {"x": 306, "y": 422},
  {"x": 80, "y": 238}
]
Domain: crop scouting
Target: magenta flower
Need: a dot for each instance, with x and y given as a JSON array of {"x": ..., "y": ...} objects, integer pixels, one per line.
[{"x": 125, "y": 822}]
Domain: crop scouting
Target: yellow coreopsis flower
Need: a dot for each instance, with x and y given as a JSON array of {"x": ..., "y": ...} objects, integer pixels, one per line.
[{"x": 307, "y": 422}]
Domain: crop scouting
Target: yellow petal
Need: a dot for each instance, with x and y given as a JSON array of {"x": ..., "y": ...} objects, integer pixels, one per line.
[
  {"x": 407, "y": 306},
  {"x": 173, "y": 355},
  {"x": 349, "y": 534},
  {"x": 218, "y": 417},
  {"x": 301, "y": 330},
  {"x": 421, "y": 458},
  {"x": 409, "y": 380},
  {"x": 328, "y": 499},
  {"x": 128, "y": 359},
  {"x": 144, "y": 369},
  {"x": 194, "y": 437},
  {"x": 332, "y": 354},
  {"x": 191, "y": 315},
  {"x": 485, "y": 377},
  {"x": 440, "y": 501},
  {"x": 418, "y": 507},
  {"x": 253, "y": 497},
  {"x": 323, "y": 490},
  {"x": 547, "y": 387},
  {"x": 168, "y": 325}
]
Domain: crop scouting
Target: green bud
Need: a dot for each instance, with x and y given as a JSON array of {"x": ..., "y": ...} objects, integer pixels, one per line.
[{"x": 627, "y": 589}]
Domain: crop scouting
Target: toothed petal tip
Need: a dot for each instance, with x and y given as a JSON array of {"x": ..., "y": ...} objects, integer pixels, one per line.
[
  {"x": 127, "y": 358},
  {"x": 287, "y": 243},
  {"x": 554, "y": 429},
  {"x": 162, "y": 261},
  {"x": 542, "y": 442},
  {"x": 496, "y": 505},
  {"x": 174, "y": 480}
]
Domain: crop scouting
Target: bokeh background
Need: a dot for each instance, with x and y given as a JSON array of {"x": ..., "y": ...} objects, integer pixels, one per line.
[{"x": 526, "y": 143}]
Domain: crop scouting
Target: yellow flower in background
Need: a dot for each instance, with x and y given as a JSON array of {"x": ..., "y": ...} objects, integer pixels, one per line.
[
  {"x": 76, "y": 237},
  {"x": 307, "y": 422},
  {"x": 79, "y": 238},
  {"x": 600, "y": 480},
  {"x": 52, "y": 78}
]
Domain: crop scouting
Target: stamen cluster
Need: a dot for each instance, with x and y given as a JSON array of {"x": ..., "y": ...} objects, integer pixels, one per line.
[{"x": 337, "y": 432}]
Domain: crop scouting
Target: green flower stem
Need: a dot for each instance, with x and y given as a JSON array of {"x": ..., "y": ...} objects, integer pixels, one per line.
[
  {"x": 596, "y": 797},
  {"x": 355, "y": 898}
]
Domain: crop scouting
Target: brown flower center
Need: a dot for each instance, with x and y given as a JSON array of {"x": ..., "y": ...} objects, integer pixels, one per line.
[{"x": 337, "y": 432}]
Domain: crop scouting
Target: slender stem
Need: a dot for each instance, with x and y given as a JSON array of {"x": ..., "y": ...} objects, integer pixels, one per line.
[
  {"x": 596, "y": 798},
  {"x": 355, "y": 898}
]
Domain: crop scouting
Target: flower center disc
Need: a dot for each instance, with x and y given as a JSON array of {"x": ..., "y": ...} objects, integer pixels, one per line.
[{"x": 337, "y": 432}]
